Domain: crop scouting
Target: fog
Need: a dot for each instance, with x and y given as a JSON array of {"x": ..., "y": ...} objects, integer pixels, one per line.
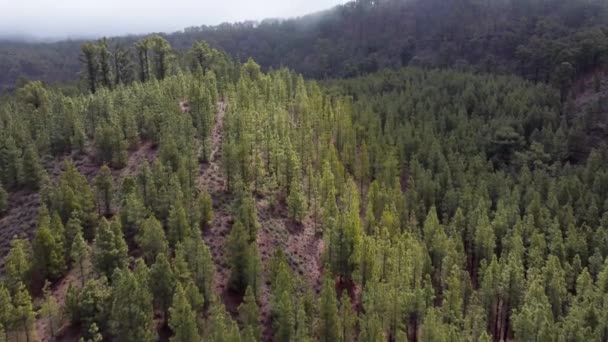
[{"x": 57, "y": 19}]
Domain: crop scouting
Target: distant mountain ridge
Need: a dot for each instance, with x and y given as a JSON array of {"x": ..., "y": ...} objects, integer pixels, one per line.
[{"x": 530, "y": 38}]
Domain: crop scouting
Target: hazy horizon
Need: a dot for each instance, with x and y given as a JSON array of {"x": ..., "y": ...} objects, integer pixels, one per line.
[{"x": 47, "y": 19}]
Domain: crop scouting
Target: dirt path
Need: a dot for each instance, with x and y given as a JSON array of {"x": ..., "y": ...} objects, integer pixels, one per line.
[{"x": 212, "y": 180}]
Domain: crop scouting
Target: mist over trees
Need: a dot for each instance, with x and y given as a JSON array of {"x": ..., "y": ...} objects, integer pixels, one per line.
[{"x": 545, "y": 41}]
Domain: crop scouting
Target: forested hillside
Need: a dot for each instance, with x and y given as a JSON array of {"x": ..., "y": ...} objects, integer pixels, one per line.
[
  {"x": 546, "y": 41},
  {"x": 193, "y": 197}
]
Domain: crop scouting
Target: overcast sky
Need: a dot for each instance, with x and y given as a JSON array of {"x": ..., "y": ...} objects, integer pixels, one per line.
[{"x": 87, "y": 18}]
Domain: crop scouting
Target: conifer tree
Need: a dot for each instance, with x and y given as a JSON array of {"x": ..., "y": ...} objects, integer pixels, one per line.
[
  {"x": 296, "y": 202},
  {"x": 32, "y": 171},
  {"x": 178, "y": 226},
  {"x": 79, "y": 253},
  {"x": 93, "y": 333},
  {"x": 238, "y": 246},
  {"x": 249, "y": 314},
  {"x": 23, "y": 312},
  {"x": 182, "y": 318},
  {"x": 346, "y": 319},
  {"x": 151, "y": 239},
  {"x": 254, "y": 268},
  {"x": 105, "y": 76},
  {"x": 10, "y": 156},
  {"x": 131, "y": 314},
  {"x": 109, "y": 248},
  {"x": 328, "y": 312},
  {"x": 49, "y": 253},
  {"x": 104, "y": 185},
  {"x": 246, "y": 213},
  {"x": 200, "y": 266},
  {"x": 18, "y": 264},
  {"x": 90, "y": 58},
  {"x": 162, "y": 283},
  {"x": 7, "y": 315},
  {"x": 220, "y": 327},
  {"x": 50, "y": 309}
]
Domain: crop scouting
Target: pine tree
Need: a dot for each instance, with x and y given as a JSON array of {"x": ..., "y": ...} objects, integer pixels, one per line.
[
  {"x": 93, "y": 333},
  {"x": 178, "y": 226},
  {"x": 296, "y": 202},
  {"x": 151, "y": 239},
  {"x": 249, "y": 314},
  {"x": 254, "y": 268},
  {"x": 23, "y": 311},
  {"x": 328, "y": 312},
  {"x": 49, "y": 262},
  {"x": 534, "y": 321},
  {"x": 18, "y": 264},
  {"x": 220, "y": 327},
  {"x": 132, "y": 211},
  {"x": 131, "y": 314},
  {"x": 79, "y": 253},
  {"x": 246, "y": 213},
  {"x": 182, "y": 318},
  {"x": 90, "y": 59},
  {"x": 196, "y": 300},
  {"x": 109, "y": 248},
  {"x": 50, "y": 309},
  {"x": 237, "y": 246},
  {"x": 89, "y": 304},
  {"x": 104, "y": 185},
  {"x": 200, "y": 265},
  {"x": 346, "y": 319},
  {"x": 345, "y": 239},
  {"x": 7, "y": 314},
  {"x": 32, "y": 171},
  {"x": 162, "y": 284},
  {"x": 72, "y": 228}
]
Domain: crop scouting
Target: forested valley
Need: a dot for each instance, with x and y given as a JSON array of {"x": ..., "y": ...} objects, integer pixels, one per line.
[{"x": 192, "y": 194}]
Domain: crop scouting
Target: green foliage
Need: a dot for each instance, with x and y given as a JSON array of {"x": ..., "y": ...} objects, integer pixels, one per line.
[
  {"x": 90, "y": 304},
  {"x": 49, "y": 309},
  {"x": 182, "y": 318},
  {"x": 18, "y": 264},
  {"x": 23, "y": 312},
  {"x": 7, "y": 314},
  {"x": 72, "y": 197},
  {"x": 178, "y": 225},
  {"x": 163, "y": 284},
  {"x": 151, "y": 239},
  {"x": 453, "y": 206},
  {"x": 49, "y": 253},
  {"x": 329, "y": 329},
  {"x": 296, "y": 202},
  {"x": 109, "y": 248},
  {"x": 249, "y": 315},
  {"x": 131, "y": 313},
  {"x": 79, "y": 253},
  {"x": 104, "y": 186},
  {"x": 111, "y": 144}
]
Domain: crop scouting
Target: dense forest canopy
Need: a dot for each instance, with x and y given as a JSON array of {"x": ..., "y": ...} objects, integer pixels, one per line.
[
  {"x": 542, "y": 40},
  {"x": 182, "y": 192}
]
